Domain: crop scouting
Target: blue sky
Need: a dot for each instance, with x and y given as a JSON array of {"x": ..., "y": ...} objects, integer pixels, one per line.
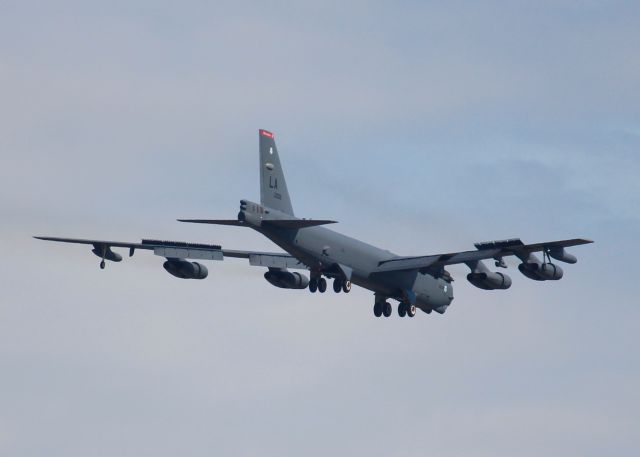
[{"x": 422, "y": 127}]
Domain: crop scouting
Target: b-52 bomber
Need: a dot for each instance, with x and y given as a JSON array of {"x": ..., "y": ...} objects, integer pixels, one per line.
[{"x": 415, "y": 282}]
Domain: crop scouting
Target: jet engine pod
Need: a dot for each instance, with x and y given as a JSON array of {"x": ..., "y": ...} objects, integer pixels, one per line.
[
  {"x": 530, "y": 269},
  {"x": 541, "y": 271},
  {"x": 286, "y": 279},
  {"x": 550, "y": 271},
  {"x": 186, "y": 270},
  {"x": 489, "y": 280},
  {"x": 562, "y": 255}
]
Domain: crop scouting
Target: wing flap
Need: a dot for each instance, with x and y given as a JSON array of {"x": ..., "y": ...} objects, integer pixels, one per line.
[
  {"x": 183, "y": 253},
  {"x": 275, "y": 261}
]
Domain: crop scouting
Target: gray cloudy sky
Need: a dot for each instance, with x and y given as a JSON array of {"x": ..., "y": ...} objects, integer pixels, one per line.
[{"x": 421, "y": 126}]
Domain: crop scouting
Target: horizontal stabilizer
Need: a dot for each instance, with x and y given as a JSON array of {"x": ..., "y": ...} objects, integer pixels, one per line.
[
  {"x": 281, "y": 223},
  {"x": 296, "y": 223},
  {"x": 234, "y": 222}
]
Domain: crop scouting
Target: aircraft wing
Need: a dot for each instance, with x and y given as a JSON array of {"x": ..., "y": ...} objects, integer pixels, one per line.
[
  {"x": 489, "y": 250},
  {"x": 183, "y": 250}
]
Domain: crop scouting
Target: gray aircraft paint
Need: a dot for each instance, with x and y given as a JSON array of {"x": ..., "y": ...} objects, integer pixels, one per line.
[
  {"x": 421, "y": 281},
  {"x": 273, "y": 186},
  {"x": 323, "y": 249}
]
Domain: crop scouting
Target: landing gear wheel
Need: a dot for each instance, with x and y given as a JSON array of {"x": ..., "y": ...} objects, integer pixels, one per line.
[
  {"x": 337, "y": 285},
  {"x": 386, "y": 309},
  {"x": 102, "y": 265},
  {"x": 402, "y": 310},
  {"x": 346, "y": 287},
  {"x": 322, "y": 285},
  {"x": 377, "y": 309},
  {"x": 411, "y": 310},
  {"x": 313, "y": 285}
]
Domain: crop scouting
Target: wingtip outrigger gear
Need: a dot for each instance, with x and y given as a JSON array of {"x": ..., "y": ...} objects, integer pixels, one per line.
[{"x": 104, "y": 251}]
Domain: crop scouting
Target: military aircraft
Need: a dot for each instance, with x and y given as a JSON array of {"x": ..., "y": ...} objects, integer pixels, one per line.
[{"x": 416, "y": 282}]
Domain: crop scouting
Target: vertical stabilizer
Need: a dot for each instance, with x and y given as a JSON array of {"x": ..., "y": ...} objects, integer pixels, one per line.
[{"x": 273, "y": 187}]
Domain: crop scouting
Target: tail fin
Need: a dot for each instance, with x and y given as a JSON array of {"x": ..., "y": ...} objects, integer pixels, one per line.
[{"x": 273, "y": 187}]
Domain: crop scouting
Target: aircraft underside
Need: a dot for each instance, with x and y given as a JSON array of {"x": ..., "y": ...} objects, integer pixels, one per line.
[{"x": 412, "y": 290}]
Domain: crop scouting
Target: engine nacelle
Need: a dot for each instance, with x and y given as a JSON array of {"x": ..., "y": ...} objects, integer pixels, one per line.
[
  {"x": 489, "y": 280},
  {"x": 562, "y": 255},
  {"x": 186, "y": 270},
  {"x": 541, "y": 271},
  {"x": 286, "y": 279},
  {"x": 550, "y": 271}
]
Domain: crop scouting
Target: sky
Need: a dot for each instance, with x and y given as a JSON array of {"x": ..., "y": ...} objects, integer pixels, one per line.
[{"x": 422, "y": 127}]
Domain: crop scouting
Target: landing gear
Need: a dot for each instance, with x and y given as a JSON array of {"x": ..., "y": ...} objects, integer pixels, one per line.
[
  {"x": 402, "y": 310},
  {"x": 340, "y": 285},
  {"x": 382, "y": 307},
  {"x": 317, "y": 284},
  {"x": 322, "y": 285},
  {"x": 102, "y": 264},
  {"x": 406, "y": 309}
]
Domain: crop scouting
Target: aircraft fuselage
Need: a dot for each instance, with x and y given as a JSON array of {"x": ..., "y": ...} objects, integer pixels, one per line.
[{"x": 323, "y": 249}]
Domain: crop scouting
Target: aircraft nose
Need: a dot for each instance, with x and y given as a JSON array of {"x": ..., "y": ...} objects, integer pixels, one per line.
[{"x": 449, "y": 292}]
